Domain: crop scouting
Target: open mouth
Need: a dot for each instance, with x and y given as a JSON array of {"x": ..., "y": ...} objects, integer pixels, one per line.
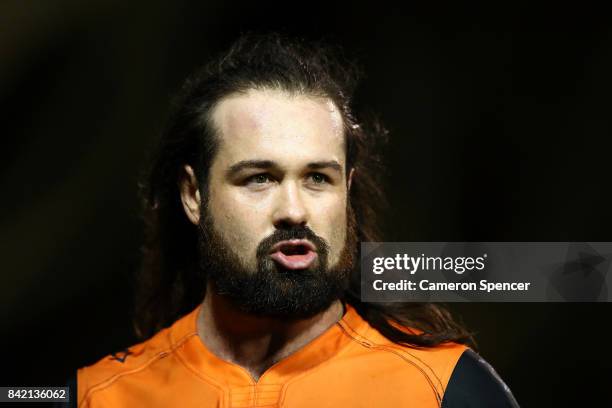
[{"x": 294, "y": 254}]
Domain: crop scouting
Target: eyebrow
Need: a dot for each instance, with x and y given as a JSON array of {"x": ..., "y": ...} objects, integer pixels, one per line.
[
  {"x": 267, "y": 164},
  {"x": 249, "y": 164},
  {"x": 330, "y": 164}
]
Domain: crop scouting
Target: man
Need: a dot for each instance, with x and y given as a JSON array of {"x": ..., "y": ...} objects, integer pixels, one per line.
[{"x": 262, "y": 188}]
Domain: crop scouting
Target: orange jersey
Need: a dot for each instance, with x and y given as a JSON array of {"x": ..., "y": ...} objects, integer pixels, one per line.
[{"x": 349, "y": 365}]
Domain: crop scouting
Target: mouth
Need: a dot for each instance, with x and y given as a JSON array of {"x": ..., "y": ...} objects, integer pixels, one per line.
[{"x": 294, "y": 254}]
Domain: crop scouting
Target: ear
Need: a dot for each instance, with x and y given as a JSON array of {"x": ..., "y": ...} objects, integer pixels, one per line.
[
  {"x": 350, "y": 179},
  {"x": 190, "y": 194}
]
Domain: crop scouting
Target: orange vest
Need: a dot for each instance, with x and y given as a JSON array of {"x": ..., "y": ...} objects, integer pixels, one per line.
[{"x": 349, "y": 365}]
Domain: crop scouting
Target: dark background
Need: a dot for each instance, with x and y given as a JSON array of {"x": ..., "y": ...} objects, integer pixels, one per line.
[{"x": 500, "y": 125}]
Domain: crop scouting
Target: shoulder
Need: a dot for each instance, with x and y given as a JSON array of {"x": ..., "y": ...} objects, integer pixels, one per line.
[
  {"x": 474, "y": 383},
  {"x": 442, "y": 357},
  {"x": 419, "y": 368},
  {"x": 139, "y": 358},
  {"x": 109, "y": 369}
]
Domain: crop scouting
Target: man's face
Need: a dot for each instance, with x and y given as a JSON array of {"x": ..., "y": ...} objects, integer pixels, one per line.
[{"x": 277, "y": 198}]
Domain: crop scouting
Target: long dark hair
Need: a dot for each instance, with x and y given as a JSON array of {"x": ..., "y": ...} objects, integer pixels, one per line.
[{"x": 169, "y": 284}]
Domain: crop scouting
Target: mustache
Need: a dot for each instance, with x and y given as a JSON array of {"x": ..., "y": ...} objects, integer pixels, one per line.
[{"x": 297, "y": 232}]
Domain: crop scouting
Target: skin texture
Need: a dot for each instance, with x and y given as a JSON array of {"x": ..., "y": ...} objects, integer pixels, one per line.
[{"x": 280, "y": 162}]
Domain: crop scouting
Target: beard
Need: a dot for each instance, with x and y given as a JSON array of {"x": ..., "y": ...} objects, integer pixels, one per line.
[{"x": 269, "y": 289}]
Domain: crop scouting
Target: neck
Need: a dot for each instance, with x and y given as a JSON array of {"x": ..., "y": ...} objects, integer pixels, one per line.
[{"x": 256, "y": 343}]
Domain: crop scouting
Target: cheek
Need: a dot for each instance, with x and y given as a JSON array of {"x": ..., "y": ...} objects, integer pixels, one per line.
[
  {"x": 333, "y": 224},
  {"x": 238, "y": 222},
  {"x": 340, "y": 230}
]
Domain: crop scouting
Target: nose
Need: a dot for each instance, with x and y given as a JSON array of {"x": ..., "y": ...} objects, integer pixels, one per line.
[{"x": 290, "y": 209}]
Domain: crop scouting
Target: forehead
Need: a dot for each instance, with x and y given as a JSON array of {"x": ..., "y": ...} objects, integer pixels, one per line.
[{"x": 279, "y": 126}]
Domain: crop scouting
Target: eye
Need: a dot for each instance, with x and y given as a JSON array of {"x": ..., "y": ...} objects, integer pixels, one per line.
[
  {"x": 261, "y": 178},
  {"x": 319, "y": 178}
]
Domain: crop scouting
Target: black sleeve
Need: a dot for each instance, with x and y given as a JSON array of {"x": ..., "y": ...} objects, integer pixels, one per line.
[{"x": 475, "y": 384}]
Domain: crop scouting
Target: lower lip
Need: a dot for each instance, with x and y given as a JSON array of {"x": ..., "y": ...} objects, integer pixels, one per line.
[{"x": 301, "y": 261}]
